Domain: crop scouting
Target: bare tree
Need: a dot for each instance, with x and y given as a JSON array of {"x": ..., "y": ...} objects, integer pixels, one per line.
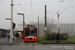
[{"x": 50, "y": 25}]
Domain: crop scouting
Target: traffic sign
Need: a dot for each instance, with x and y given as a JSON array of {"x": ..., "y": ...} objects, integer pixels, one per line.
[{"x": 45, "y": 28}]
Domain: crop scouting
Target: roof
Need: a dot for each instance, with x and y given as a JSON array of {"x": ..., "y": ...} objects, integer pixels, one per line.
[{"x": 3, "y": 29}]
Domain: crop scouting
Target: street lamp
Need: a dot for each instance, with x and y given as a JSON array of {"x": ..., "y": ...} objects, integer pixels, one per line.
[{"x": 23, "y": 22}]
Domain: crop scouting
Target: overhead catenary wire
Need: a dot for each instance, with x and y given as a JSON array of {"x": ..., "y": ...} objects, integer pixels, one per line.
[
  {"x": 66, "y": 6},
  {"x": 31, "y": 9},
  {"x": 15, "y": 10},
  {"x": 47, "y": 2},
  {"x": 53, "y": 15},
  {"x": 37, "y": 3}
]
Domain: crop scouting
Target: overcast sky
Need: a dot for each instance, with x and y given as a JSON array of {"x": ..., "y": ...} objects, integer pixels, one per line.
[{"x": 67, "y": 16}]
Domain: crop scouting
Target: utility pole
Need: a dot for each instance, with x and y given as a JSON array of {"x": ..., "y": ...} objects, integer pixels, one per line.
[
  {"x": 45, "y": 17},
  {"x": 58, "y": 23},
  {"x": 38, "y": 26},
  {"x": 45, "y": 28},
  {"x": 23, "y": 26},
  {"x": 11, "y": 31}
]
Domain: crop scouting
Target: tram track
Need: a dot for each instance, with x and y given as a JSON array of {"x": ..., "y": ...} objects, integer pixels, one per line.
[
  {"x": 27, "y": 45},
  {"x": 33, "y": 45}
]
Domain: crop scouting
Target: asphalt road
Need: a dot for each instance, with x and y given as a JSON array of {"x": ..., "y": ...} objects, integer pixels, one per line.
[
  {"x": 37, "y": 46},
  {"x": 33, "y": 46},
  {"x": 4, "y": 41}
]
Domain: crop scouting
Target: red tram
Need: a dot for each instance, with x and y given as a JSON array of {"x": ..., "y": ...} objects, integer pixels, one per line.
[{"x": 30, "y": 34}]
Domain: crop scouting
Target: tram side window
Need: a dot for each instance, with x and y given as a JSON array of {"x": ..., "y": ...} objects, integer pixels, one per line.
[{"x": 26, "y": 32}]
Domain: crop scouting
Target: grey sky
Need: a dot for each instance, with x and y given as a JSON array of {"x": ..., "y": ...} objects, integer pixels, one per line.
[{"x": 67, "y": 16}]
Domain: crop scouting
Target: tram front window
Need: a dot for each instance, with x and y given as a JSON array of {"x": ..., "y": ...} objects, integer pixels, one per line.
[{"x": 29, "y": 32}]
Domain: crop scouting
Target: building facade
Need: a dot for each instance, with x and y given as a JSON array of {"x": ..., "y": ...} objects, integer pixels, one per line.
[
  {"x": 3, "y": 32},
  {"x": 64, "y": 28}
]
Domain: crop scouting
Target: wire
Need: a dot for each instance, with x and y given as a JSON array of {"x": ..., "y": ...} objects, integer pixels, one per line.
[
  {"x": 66, "y": 6},
  {"x": 31, "y": 9},
  {"x": 15, "y": 10},
  {"x": 37, "y": 3}
]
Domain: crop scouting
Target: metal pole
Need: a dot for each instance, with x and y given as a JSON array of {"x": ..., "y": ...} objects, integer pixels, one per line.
[
  {"x": 58, "y": 23},
  {"x": 45, "y": 16},
  {"x": 38, "y": 26},
  {"x": 11, "y": 34},
  {"x": 45, "y": 22},
  {"x": 23, "y": 26}
]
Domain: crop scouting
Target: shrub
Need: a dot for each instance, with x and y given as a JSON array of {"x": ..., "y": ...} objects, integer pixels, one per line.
[
  {"x": 40, "y": 39},
  {"x": 52, "y": 36},
  {"x": 63, "y": 36}
]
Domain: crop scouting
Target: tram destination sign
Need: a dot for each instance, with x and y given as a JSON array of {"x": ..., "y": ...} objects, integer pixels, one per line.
[{"x": 31, "y": 28}]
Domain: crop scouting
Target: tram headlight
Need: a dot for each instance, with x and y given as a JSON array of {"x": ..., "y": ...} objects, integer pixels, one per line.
[
  {"x": 25, "y": 37},
  {"x": 35, "y": 37}
]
